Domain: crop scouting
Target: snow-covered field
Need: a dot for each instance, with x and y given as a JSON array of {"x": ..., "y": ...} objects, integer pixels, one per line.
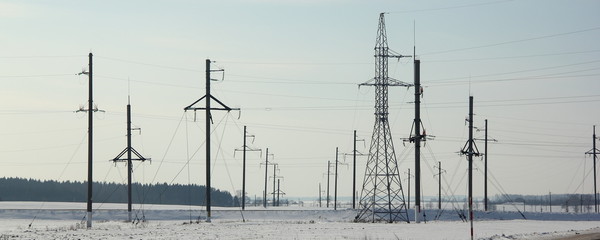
[{"x": 64, "y": 221}]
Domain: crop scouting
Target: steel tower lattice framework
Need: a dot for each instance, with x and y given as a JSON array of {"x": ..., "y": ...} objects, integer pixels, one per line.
[{"x": 382, "y": 197}]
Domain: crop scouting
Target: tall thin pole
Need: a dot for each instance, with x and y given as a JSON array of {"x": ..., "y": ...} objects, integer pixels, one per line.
[
  {"x": 470, "y": 157},
  {"x": 208, "y": 119},
  {"x": 408, "y": 201},
  {"x": 319, "y": 194},
  {"x": 274, "y": 177},
  {"x": 266, "y": 176},
  {"x": 354, "y": 173},
  {"x": 208, "y": 116},
  {"x": 129, "y": 162},
  {"x": 328, "y": 171},
  {"x": 90, "y": 142},
  {"x": 417, "y": 138},
  {"x": 485, "y": 182},
  {"x": 335, "y": 180},
  {"x": 550, "y": 200},
  {"x": 593, "y": 152},
  {"x": 244, "y": 172},
  {"x": 594, "y": 156},
  {"x": 278, "y": 192},
  {"x": 440, "y": 185}
]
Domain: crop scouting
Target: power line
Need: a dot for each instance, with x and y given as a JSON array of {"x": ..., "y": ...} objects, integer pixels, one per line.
[
  {"x": 511, "y": 57},
  {"x": 515, "y": 41},
  {"x": 449, "y": 7},
  {"x": 42, "y": 56},
  {"x": 520, "y": 71}
]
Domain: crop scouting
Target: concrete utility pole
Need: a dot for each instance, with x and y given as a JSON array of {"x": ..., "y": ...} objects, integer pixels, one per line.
[
  {"x": 320, "y": 195},
  {"x": 470, "y": 150},
  {"x": 274, "y": 177},
  {"x": 266, "y": 177},
  {"x": 485, "y": 159},
  {"x": 439, "y": 174},
  {"x": 417, "y": 139},
  {"x": 550, "y": 200},
  {"x": 408, "y": 178},
  {"x": 90, "y": 110},
  {"x": 594, "y": 153},
  {"x": 129, "y": 150},
  {"x": 208, "y": 120},
  {"x": 328, "y": 173},
  {"x": 335, "y": 180},
  {"x": 244, "y": 149}
]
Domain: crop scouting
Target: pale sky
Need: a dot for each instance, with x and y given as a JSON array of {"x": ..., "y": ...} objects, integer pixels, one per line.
[{"x": 293, "y": 67}]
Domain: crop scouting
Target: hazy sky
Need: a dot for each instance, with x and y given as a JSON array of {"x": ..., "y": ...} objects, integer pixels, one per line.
[{"x": 293, "y": 67}]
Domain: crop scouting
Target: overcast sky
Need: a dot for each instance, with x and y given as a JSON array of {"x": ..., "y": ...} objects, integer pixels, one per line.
[{"x": 293, "y": 67}]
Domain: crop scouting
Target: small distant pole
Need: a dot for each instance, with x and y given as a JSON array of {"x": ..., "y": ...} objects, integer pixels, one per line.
[
  {"x": 550, "y": 200},
  {"x": 408, "y": 201},
  {"x": 354, "y": 173},
  {"x": 354, "y": 154},
  {"x": 328, "y": 173},
  {"x": 335, "y": 180},
  {"x": 278, "y": 192},
  {"x": 244, "y": 172},
  {"x": 320, "y": 195},
  {"x": 440, "y": 171},
  {"x": 266, "y": 176},
  {"x": 485, "y": 183},
  {"x": 274, "y": 177},
  {"x": 594, "y": 152}
]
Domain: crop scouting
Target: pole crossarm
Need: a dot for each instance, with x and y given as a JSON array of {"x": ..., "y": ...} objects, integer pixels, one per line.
[
  {"x": 222, "y": 108},
  {"x": 391, "y": 83},
  {"x": 135, "y": 152},
  {"x": 247, "y": 149}
]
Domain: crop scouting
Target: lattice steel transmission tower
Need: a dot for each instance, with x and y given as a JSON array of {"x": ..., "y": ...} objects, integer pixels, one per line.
[{"x": 382, "y": 197}]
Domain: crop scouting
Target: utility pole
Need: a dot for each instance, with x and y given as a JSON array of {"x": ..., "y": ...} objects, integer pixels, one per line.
[
  {"x": 90, "y": 141},
  {"x": 485, "y": 190},
  {"x": 550, "y": 200},
  {"x": 439, "y": 174},
  {"x": 408, "y": 178},
  {"x": 274, "y": 177},
  {"x": 320, "y": 195},
  {"x": 335, "y": 180},
  {"x": 485, "y": 159},
  {"x": 417, "y": 138},
  {"x": 266, "y": 177},
  {"x": 354, "y": 154},
  {"x": 354, "y": 172},
  {"x": 382, "y": 197},
  {"x": 328, "y": 173},
  {"x": 470, "y": 149},
  {"x": 594, "y": 152},
  {"x": 244, "y": 149},
  {"x": 278, "y": 192},
  {"x": 90, "y": 110},
  {"x": 129, "y": 150},
  {"x": 208, "y": 120}
]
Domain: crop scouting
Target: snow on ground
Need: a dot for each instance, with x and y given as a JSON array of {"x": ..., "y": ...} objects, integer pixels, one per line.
[{"x": 64, "y": 221}]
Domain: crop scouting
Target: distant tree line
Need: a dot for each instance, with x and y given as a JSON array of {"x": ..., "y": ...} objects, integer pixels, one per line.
[
  {"x": 575, "y": 202},
  {"x": 20, "y": 189}
]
